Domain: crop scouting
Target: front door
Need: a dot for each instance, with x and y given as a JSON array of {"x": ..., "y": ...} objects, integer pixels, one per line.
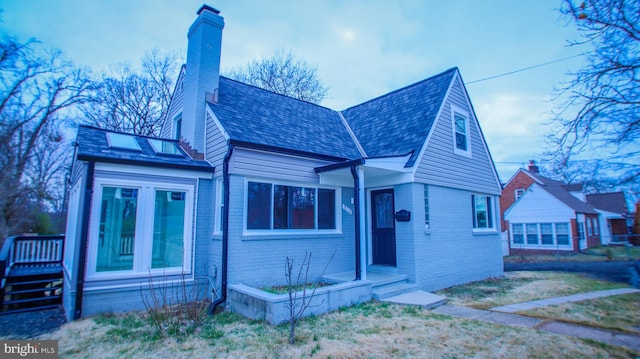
[{"x": 383, "y": 228}]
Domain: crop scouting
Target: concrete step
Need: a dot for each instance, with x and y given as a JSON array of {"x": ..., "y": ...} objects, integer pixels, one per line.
[
  {"x": 419, "y": 298},
  {"x": 392, "y": 290}
]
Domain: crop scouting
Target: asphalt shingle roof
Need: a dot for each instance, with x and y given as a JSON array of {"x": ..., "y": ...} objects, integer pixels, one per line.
[
  {"x": 93, "y": 145},
  {"x": 398, "y": 123},
  {"x": 253, "y": 115},
  {"x": 612, "y": 202}
]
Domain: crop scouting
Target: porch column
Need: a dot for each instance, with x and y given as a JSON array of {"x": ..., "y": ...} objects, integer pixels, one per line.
[{"x": 363, "y": 231}]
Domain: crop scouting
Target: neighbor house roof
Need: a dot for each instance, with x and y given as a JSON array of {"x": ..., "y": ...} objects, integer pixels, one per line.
[
  {"x": 614, "y": 202},
  {"x": 253, "y": 115},
  {"x": 93, "y": 145},
  {"x": 568, "y": 199},
  {"x": 398, "y": 123}
]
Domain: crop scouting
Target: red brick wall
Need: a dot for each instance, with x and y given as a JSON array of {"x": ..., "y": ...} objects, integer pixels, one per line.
[{"x": 520, "y": 180}]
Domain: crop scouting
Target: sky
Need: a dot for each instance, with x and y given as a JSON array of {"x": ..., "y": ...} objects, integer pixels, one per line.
[{"x": 362, "y": 49}]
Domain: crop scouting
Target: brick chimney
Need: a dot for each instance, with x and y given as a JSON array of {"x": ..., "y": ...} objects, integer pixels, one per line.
[
  {"x": 202, "y": 73},
  {"x": 532, "y": 167}
]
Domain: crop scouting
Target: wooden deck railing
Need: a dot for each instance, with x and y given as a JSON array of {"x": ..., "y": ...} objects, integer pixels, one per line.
[{"x": 35, "y": 250}]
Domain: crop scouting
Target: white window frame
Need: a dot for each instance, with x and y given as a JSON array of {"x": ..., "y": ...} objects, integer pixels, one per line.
[
  {"x": 217, "y": 213},
  {"x": 427, "y": 218},
  {"x": 295, "y": 232},
  {"x": 144, "y": 229},
  {"x": 491, "y": 213},
  {"x": 554, "y": 232},
  {"x": 465, "y": 114},
  {"x": 518, "y": 193}
]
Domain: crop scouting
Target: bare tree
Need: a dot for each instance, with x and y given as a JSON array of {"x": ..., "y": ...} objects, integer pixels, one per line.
[
  {"x": 300, "y": 290},
  {"x": 284, "y": 74},
  {"x": 134, "y": 102},
  {"x": 38, "y": 90},
  {"x": 605, "y": 94}
]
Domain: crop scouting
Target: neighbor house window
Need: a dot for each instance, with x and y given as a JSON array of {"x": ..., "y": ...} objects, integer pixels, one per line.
[
  {"x": 285, "y": 207},
  {"x": 426, "y": 206},
  {"x": 596, "y": 228},
  {"x": 482, "y": 212},
  {"x": 518, "y": 193},
  {"x": 141, "y": 229},
  {"x": 546, "y": 233},
  {"x": 532, "y": 233},
  {"x": 562, "y": 233},
  {"x": 460, "y": 118},
  {"x": 219, "y": 206},
  {"x": 540, "y": 235},
  {"x": 518, "y": 233},
  {"x": 177, "y": 127},
  {"x": 589, "y": 226}
]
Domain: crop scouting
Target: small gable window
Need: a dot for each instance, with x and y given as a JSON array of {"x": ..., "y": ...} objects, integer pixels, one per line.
[
  {"x": 519, "y": 193},
  {"x": 460, "y": 126}
]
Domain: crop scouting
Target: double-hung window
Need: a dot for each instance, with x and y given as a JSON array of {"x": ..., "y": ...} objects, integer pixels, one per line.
[
  {"x": 141, "y": 228},
  {"x": 482, "y": 207},
  {"x": 274, "y": 206}
]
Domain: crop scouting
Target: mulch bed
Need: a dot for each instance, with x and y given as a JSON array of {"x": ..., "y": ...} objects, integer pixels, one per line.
[{"x": 29, "y": 325}]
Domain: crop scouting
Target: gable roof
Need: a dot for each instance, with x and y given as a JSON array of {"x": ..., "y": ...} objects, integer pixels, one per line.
[
  {"x": 611, "y": 202},
  {"x": 568, "y": 199},
  {"x": 398, "y": 123},
  {"x": 92, "y": 145},
  {"x": 253, "y": 115}
]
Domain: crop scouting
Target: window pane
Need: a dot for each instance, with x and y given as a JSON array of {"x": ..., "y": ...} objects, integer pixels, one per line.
[
  {"x": 518, "y": 233},
  {"x": 168, "y": 229},
  {"x": 326, "y": 208},
  {"x": 293, "y": 207},
  {"x": 426, "y": 206},
  {"x": 481, "y": 212},
  {"x": 384, "y": 210},
  {"x": 562, "y": 233},
  {"x": 258, "y": 205},
  {"x": 461, "y": 132},
  {"x": 546, "y": 233},
  {"x": 116, "y": 238},
  {"x": 532, "y": 233}
]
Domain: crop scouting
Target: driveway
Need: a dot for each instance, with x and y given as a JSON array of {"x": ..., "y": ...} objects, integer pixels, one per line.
[{"x": 615, "y": 271}]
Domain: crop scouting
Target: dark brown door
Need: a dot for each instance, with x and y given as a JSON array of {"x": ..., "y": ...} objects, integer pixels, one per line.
[{"x": 383, "y": 228}]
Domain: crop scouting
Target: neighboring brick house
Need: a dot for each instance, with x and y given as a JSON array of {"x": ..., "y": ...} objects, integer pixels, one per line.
[{"x": 540, "y": 214}]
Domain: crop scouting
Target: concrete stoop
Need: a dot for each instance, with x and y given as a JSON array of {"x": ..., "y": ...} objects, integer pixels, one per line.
[
  {"x": 392, "y": 290},
  {"x": 420, "y": 298}
]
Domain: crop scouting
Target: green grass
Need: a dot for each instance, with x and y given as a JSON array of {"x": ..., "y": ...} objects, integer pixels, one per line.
[{"x": 284, "y": 289}]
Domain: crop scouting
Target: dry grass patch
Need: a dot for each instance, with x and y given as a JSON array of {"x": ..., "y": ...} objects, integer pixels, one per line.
[
  {"x": 516, "y": 287},
  {"x": 619, "y": 312},
  {"x": 368, "y": 330},
  {"x": 597, "y": 254}
]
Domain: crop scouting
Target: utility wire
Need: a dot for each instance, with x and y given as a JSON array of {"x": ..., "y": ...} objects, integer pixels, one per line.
[{"x": 524, "y": 69}]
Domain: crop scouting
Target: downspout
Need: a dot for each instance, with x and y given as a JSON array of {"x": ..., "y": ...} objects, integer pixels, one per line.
[
  {"x": 356, "y": 211},
  {"x": 225, "y": 231},
  {"x": 84, "y": 238}
]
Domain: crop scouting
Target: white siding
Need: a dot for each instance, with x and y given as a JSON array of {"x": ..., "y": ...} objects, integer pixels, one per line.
[
  {"x": 441, "y": 166},
  {"x": 269, "y": 165},
  {"x": 216, "y": 147},
  {"x": 175, "y": 108},
  {"x": 539, "y": 206}
]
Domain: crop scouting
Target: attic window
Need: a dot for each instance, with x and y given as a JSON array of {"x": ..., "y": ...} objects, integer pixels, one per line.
[
  {"x": 122, "y": 141},
  {"x": 164, "y": 147},
  {"x": 460, "y": 127}
]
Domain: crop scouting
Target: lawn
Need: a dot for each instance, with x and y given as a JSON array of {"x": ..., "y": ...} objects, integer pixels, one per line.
[
  {"x": 603, "y": 253},
  {"x": 376, "y": 330}
]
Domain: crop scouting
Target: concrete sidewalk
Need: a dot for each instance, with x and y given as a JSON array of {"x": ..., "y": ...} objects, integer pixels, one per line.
[{"x": 503, "y": 315}]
